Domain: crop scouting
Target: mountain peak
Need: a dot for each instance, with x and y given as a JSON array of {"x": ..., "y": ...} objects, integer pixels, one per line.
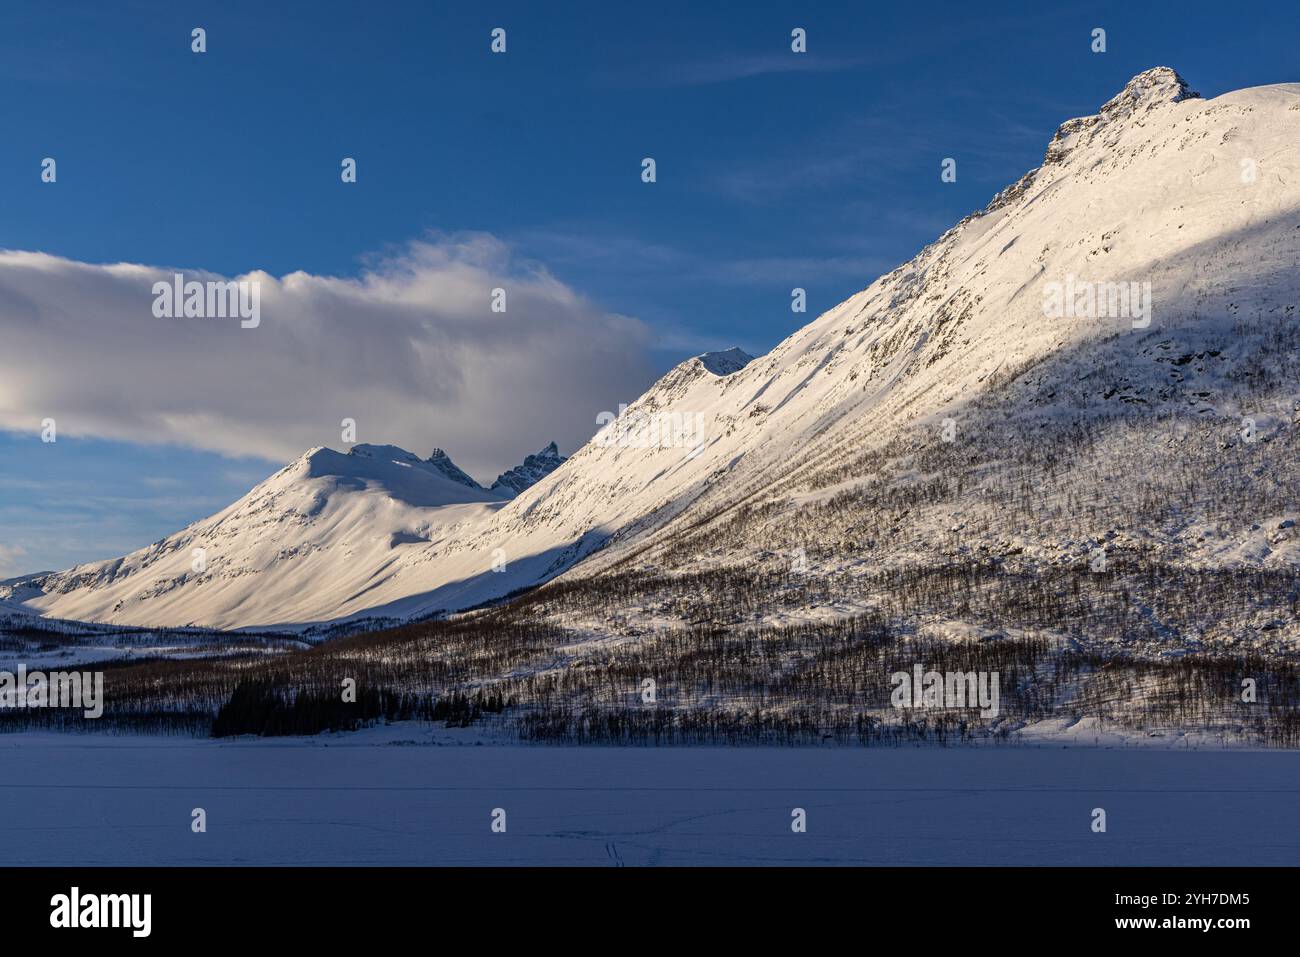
[
  {"x": 534, "y": 468},
  {"x": 726, "y": 361},
  {"x": 439, "y": 460},
  {"x": 443, "y": 463},
  {"x": 396, "y": 453},
  {"x": 365, "y": 461},
  {"x": 1150, "y": 90},
  {"x": 1158, "y": 86}
]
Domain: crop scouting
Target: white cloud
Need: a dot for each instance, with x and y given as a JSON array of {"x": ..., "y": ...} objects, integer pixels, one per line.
[
  {"x": 410, "y": 349},
  {"x": 9, "y": 559}
]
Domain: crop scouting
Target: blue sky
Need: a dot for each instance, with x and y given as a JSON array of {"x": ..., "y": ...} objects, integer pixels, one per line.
[{"x": 775, "y": 170}]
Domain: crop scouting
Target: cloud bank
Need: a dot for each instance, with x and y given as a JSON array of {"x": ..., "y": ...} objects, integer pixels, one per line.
[{"x": 411, "y": 349}]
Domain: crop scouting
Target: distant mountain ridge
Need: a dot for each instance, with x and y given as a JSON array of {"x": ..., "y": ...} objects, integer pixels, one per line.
[{"x": 328, "y": 536}]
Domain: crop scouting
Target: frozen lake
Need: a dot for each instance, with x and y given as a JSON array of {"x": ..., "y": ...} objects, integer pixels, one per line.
[{"x": 70, "y": 800}]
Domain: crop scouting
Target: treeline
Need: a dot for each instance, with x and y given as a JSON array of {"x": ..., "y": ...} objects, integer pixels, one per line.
[
  {"x": 710, "y": 726},
  {"x": 270, "y": 708},
  {"x": 1124, "y": 647}
]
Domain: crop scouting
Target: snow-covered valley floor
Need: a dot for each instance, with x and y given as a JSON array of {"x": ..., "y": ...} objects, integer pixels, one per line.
[{"x": 367, "y": 800}]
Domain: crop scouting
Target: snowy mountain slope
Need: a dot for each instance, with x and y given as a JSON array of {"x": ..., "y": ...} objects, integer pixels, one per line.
[
  {"x": 8, "y": 608},
  {"x": 1196, "y": 202},
  {"x": 327, "y": 536},
  {"x": 947, "y": 468},
  {"x": 1154, "y": 189}
]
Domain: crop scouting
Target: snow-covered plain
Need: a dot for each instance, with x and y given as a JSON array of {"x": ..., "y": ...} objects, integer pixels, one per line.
[{"x": 351, "y": 800}]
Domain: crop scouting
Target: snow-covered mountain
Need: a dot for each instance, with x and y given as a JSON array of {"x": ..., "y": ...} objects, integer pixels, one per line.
[
  {"x": 1034, "y": 385},
  {"x": 1199, "y": 199},
  {"x": 954, "y": 411},
  {"x": 328, "y": 536}
]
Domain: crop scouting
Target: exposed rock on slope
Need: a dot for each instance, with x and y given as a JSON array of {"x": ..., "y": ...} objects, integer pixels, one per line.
[{"x": 534, "y": 468}]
